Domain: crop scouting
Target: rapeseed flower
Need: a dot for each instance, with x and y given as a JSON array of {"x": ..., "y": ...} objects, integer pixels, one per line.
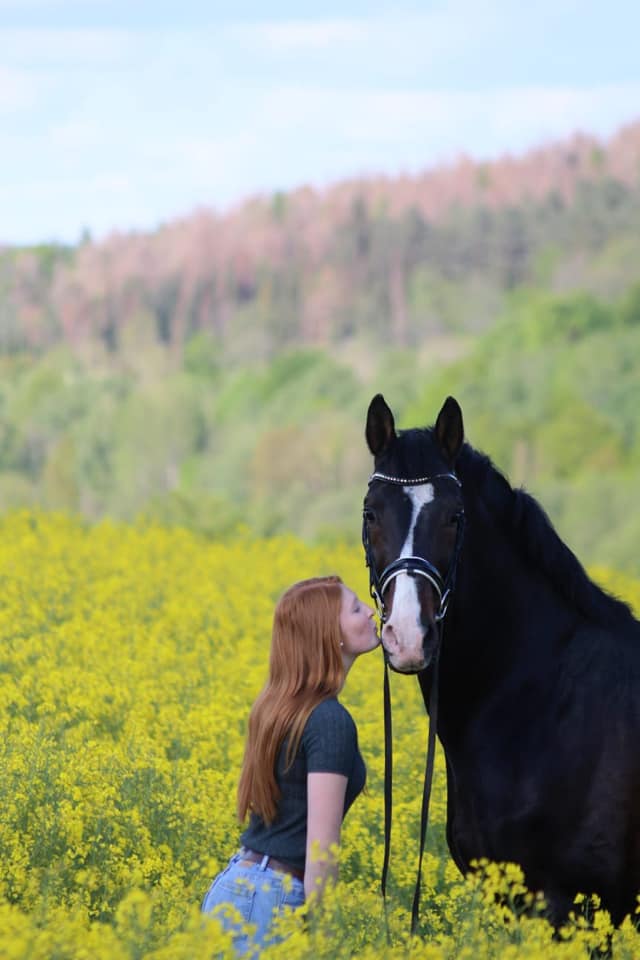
[{"x": 130, "y": 658}]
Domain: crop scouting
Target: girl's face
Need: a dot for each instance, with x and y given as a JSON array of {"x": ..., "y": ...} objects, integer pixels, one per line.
[{"x": 358, "y": 625}]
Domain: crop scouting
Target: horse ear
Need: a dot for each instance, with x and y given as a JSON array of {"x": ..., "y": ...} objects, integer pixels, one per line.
[
  {"x": 449, "y": 429},
  {"x": 381, "y": 429}
]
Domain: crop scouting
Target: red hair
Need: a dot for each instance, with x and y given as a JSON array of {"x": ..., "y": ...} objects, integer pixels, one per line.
[{"x": 305, "y": 667}]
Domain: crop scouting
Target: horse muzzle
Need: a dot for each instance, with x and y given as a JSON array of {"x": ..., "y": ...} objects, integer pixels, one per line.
[{"x": 409, "y": 651}]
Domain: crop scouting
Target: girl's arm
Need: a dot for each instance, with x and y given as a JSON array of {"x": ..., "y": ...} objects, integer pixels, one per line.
[{"x": 325, "y": 808}]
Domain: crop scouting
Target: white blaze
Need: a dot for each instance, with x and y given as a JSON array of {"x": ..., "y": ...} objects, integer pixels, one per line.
[{"x": 405, "y": 617}]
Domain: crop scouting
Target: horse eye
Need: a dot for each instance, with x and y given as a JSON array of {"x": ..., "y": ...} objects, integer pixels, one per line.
[
  {"x": 369, "y": 515},
  {"x": 454, "y": 519}
]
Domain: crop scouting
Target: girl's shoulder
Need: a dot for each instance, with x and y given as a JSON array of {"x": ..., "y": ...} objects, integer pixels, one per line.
[
  {"x": 330, "y": 739},
  {"x": 330, "y": 713}
]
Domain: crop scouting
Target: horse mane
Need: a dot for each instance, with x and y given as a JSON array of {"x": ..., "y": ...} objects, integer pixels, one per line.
[{"x": 520, "y": 514}]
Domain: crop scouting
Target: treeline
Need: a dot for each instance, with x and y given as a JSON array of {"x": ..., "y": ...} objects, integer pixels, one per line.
[
  {"x": 551, "y": 392},
  {"x": 218, "y": 371},
  {"x": 389, "y": 261}
]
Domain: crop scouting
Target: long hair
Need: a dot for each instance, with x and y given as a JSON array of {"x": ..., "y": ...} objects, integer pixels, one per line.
[{"x": 305, "y": 668}]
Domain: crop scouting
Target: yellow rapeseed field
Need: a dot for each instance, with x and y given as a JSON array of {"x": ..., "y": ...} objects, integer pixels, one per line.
[{"x": 130, "y": 656}]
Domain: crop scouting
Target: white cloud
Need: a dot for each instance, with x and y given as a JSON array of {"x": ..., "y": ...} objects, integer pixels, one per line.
[
  {"x": 18, "y": 90},
  {"x": 444, "y": 121},
  {"x": 67, "y": 48},
  {"x": 379, "y": 46},
  {"x": 304, "y": 35}
]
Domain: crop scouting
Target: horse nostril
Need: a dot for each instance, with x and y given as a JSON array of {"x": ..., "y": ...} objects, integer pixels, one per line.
[{"x": 389, "y": 638}]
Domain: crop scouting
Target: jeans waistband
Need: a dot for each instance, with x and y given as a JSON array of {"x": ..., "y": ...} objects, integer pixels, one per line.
[{"x": 264, "y": 860}]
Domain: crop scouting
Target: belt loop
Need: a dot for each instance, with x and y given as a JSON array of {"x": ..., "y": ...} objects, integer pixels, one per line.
[{"x": 264, "y": 862}]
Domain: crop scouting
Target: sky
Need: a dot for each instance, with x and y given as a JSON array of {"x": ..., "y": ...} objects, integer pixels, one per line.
[{"x": 119, "y": 115}]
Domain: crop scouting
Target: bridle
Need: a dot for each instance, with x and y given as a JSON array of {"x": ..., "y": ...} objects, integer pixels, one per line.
[
  {"x": 443, "y": 586},
  {"x": 416, "y": 566}
]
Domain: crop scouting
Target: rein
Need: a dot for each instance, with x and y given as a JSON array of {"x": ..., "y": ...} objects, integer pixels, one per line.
[
  {"x": 426, "y": 793},
  {"x": 444, "y": 587}
]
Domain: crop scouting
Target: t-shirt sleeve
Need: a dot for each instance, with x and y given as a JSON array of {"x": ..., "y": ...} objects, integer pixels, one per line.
[{"x": 330, "y": 739}]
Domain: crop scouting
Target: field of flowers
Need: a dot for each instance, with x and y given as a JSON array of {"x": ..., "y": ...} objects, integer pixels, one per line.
[{"x": 129, "y": 658}]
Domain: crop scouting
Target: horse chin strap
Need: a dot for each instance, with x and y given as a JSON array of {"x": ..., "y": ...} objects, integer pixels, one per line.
[{"x": 413, "y": 566}]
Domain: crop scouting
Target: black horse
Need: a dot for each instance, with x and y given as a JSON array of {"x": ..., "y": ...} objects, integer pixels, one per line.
[{"x": 538, "y": 668}]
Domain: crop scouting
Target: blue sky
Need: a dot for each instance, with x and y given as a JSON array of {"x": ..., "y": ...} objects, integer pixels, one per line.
[{"x": 123, "y": 115}]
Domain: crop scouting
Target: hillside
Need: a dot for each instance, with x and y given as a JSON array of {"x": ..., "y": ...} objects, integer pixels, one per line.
[
  {"x": 218, "y": 371},
  {"x": 395, "y": 259},
  {"x": 551, "y": 392}
]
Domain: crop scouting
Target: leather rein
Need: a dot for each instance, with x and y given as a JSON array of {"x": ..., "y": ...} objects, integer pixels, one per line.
[{"x": 443, "y": 586}]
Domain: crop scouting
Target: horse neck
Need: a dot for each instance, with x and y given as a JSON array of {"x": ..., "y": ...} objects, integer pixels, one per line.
[
  {"x": 505, "y": 618},
  {"x": 521, "y": 597},
  {"x": 513, "y": 551},
  {"x": 498, "y": 588}
]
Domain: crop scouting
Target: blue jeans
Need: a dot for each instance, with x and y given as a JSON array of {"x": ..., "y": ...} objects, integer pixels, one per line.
[{"x": 259, "y": 895}]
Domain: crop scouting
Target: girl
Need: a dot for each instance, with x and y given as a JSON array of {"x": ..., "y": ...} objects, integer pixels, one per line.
[{"x": 302, "y": 768}]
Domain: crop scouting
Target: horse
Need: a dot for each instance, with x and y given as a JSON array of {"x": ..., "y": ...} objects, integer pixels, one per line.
[{"x": 538, "y": 669}]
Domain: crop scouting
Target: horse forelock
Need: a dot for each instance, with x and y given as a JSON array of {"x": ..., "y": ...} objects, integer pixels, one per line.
[
  {"x": 414, "y": 453},
  {"x": 530, "y": 531}
]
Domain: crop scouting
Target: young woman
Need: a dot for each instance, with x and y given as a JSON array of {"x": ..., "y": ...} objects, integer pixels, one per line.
[{"x": 302, "y": 768}]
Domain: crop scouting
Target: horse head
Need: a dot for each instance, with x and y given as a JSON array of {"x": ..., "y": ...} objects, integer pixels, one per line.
[{"x": 411, "y": 529}]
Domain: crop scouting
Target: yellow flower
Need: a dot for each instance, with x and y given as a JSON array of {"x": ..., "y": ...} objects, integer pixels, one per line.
[{"x": 130, "y": 658}]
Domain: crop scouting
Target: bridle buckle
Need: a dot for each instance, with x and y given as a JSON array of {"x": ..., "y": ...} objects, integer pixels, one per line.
[{"x": 444, "y": 605}]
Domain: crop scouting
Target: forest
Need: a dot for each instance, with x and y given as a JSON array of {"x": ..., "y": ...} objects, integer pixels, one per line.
[{"x": 217, "y": 372}]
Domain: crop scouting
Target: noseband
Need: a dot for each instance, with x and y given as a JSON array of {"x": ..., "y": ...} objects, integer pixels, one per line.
[
  {"x": 413, "y": 566},
  {"x": 378, "y": 584}
]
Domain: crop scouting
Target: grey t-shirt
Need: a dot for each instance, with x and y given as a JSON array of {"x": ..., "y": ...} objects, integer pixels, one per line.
[{"x": 329, "y": 744}]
